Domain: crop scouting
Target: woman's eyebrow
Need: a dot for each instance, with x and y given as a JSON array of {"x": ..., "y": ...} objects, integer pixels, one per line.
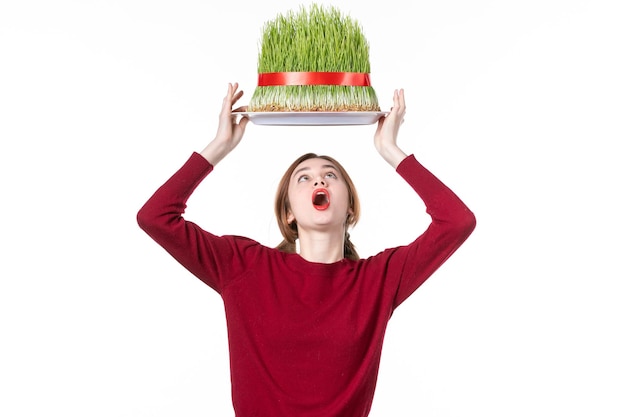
[
  {"x": 308, "y": 168},
  {"x": 300, "y": 170}
]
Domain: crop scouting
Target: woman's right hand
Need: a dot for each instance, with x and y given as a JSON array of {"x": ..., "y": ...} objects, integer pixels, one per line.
[{"x": 230, "y": 131}]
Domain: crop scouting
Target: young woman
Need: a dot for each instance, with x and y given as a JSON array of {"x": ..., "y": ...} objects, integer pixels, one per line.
[{"x": 306, "y": 328}]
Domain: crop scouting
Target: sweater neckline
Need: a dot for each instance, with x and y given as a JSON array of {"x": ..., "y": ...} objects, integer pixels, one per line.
[{"x": 298, "y": 264}]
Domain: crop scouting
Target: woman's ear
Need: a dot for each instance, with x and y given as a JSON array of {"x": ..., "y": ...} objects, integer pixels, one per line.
[
  {"x": 290, "y": 217},
  {"x": 350, "y": 217}
]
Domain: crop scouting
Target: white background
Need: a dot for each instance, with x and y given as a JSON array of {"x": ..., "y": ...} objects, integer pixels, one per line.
[{"x": 517, "y": 105}]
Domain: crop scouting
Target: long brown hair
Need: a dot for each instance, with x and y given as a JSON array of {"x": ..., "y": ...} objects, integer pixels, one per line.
[{"x": 282, "y": 208}]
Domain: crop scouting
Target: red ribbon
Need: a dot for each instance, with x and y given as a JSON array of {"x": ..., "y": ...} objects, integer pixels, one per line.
[{"x": 356, "y": 79}]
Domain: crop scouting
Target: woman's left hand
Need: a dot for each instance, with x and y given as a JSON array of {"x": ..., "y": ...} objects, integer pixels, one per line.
[{"x": 386, "y": 136}]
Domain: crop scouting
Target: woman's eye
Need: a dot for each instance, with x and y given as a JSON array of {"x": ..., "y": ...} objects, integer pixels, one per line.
[
  {"x": 303, "y": 178},
  {"x": 331, "y": 175}
]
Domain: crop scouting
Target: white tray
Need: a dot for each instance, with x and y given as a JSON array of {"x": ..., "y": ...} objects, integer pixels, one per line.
[{"x": 313, "y": 118}]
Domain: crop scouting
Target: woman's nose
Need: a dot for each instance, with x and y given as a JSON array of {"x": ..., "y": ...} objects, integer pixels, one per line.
[{"x": 320, "y": 182}]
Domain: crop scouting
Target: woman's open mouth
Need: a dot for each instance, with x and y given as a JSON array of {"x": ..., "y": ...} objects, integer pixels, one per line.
[{"x": 321, "y": 199}]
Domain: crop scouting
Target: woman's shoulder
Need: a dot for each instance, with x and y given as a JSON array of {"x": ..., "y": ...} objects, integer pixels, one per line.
[{"x": 250, "y": 245}]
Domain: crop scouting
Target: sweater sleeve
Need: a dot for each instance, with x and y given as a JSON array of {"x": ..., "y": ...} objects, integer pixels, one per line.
[
  {"x": 451, "y": 224},
  {"x": 211, "y": 258}
]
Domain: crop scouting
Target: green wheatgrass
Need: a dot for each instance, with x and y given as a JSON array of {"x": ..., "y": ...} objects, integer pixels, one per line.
[{"x": 318, "y": 39}]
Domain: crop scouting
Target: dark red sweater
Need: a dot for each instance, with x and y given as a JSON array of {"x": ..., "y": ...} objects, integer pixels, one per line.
[{"x": 305, "y": 338}]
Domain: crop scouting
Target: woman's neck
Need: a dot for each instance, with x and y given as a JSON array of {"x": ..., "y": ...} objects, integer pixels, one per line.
[{"x": 321, "y": 247}]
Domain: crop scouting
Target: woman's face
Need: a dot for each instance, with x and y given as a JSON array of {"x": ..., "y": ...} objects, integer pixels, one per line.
[{"x": 318, "y": 195}]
